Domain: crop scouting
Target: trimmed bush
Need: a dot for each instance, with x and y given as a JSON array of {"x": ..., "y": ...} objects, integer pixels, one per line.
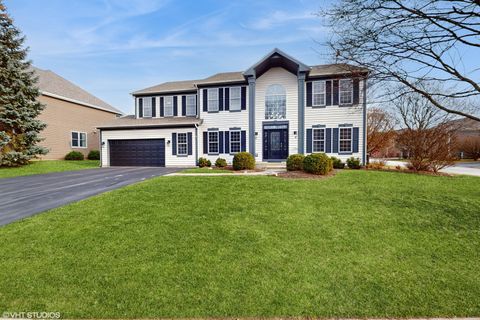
[
  {"x": 295, "y": 162},
  {"x": 243, "y": 161},
  {"x": 337, "y": 163},
  {"x": 317, "y": 163},
  {"x": 74, "y": 155},
  {"x": 353, "y": 163},
  {"x": 204, "y": 162},
  {"x": 220, "y": 163},
  {"x": 94, "y": 155}
]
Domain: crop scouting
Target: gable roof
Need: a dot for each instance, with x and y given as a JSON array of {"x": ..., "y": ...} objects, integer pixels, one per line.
[
  {"x": 335, "y": 68},
  {"x": 53, "y": 85},
  {"x": 279, "y": 56},
  {"x": 171, "y": 86}
]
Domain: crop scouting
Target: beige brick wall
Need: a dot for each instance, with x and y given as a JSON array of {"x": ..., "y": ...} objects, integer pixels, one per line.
[{"x": 62, "y": 118}]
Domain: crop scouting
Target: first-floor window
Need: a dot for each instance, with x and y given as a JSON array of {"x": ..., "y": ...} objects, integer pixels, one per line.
[
  {"x": 235, "y": 144},
  {"x": 168, "y": 107},
  {"x": 79, "y": 139},
  {"x": 213, "y": 142},
  {"x": 191, "y": 105},
  {"x": 147, "y": 107},
  {"x": 318, "y": 140},
  {"x": 182, "y": 146},
  {"x": 345, "y": 140}
]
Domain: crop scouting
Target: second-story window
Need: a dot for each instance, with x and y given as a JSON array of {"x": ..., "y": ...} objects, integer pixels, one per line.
[
  {"x": 212, "y": 99},
  {"x": 275, "y": 102},
  {"x": 346, "y": 91},
  {"x": 318, "y": 93},
  {"x": 168, "y": 107},
  {"x": 235, "y": 98},
  {"x": 147, "y": 107},
  {"x": 191, "y": 105}
]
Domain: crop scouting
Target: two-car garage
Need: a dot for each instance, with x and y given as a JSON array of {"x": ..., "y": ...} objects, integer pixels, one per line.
[{"x": 137, "y": 152}]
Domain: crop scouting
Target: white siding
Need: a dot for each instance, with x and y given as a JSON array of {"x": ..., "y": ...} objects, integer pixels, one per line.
[
  {"x": 170, "y": 160},
  {"x": 290, "y": 82}
]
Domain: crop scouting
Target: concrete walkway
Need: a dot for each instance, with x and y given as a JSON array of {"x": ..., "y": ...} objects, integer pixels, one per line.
[{"x": 465, "y": 168}]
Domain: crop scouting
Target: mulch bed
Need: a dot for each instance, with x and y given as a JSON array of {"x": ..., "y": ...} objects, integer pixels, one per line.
[
  {"x": 304, "y": 175},
  {"x": 425, "y": 173}
]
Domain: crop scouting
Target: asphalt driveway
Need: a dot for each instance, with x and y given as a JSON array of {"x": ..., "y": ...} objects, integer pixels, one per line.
[{"x": 22, "y": 197}]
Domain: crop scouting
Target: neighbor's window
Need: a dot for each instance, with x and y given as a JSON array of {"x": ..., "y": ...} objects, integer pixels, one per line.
[
  {"x": 147, "y": 107},
  {"x": 182, "y": 146},
  {"x": 191, "y": 105},
  {"x": 275, "y": 102},
  {"x": 318, "y": 93},
  {"x": 346, "y": 91},
  {"x": 79, "y": 139},
  {"x": 235, "y": 98},
  {"x": 345, "y": 140},
  {"x": 212, "y": 99},
  {"x": 318, "y": 140},
  {"x": 235, "y": 144},
  {"x": 213, "y": 142},
  {"x": 168, "y": 106}
]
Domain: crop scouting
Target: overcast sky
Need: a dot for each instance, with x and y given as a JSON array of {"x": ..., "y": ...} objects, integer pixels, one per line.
[{"x": 114, "y": 47}]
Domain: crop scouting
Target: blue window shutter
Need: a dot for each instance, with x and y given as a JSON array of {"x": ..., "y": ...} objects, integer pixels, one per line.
[
  {"x": 162, "y": 108},
  {"x": 356, "y": 91},
  {"x": 227, "y": 141},
  {"x": 309, "y": 140},
  {"x": 227, "y": 99},
  {"x": 154, "y": 107},
  {"x": 243, "y": 141},
  {"x": 355, "y": 139},
  {"x": 328, "y": 140},
  {"x": 189, "y": 143},
  {"x": 175, "y": 106},
  {"x": 174, "y": 144},
  {"x": 184, "y": 106},
  {"x": 220, "y": 142},
  {"x": 335, "y": 93},
  {"x": 140, "y": 107},
  {"x": 205, "y": 142},
  {"x": 220, "y": 99},
  {"x": 244, "y": 98},
  {"x": 328, "y": 91},
  {"x": 205, "y": 101},
  {"x": 309, "y": 95},
  {"x": 335, "y": 140}
]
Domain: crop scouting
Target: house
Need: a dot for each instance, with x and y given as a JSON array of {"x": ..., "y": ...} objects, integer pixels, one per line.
[
  {"x": 277, "y": 107},
  {"x": 71, "y": 114}
]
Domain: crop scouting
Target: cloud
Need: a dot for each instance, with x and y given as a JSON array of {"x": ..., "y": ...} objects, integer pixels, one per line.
[{"x": 279, "y": 18}]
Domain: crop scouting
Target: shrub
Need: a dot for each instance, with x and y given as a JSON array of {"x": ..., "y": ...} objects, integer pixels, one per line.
[
  {"x": 220, "y": 163},
  {"x": 337, "y": 163},
  {"x": 94, "y": 155},
  {"x": 74, "y": 155},
  {"x": 204, "y": 162},
  {"x": 243, "y": 161},
  {"x": 376, "y": 165},
  {"x": 353, "y": 163},
  {"x": 295, "y": 162},
  {"x": 317, "y": 163}
]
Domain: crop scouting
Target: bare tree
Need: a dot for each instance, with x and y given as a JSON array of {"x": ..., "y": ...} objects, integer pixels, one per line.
[
  {"x": 471, "y": 147},
  {"x": 380, "y": 130},
  {"x": 416, "y": 43}
]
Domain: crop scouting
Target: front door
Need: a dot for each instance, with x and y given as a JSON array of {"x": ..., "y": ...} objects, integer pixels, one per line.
[{"x": 275, "y": 144}]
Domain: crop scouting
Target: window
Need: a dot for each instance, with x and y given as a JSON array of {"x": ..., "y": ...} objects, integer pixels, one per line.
[
  {"x": 235, "y": 144},
  {"x": 275, "y": 102},
  {"x": 79, "y": 139},
  {"x": 235, "y": 98},
  {"x": 191, "y": 105},
  {"x": 147, "y": 107},
  {"x": 168, "y": 107},
  {"x": 318, "y": 140},
  {"x": 213, "y": 142},
  {"x": 182, "y": 145},
  {"x": 345, "y": 140},
  {"x": 318, "y": 93},
  {"x": 212, "y": 104},
  {"x": 346, "y": 91}
]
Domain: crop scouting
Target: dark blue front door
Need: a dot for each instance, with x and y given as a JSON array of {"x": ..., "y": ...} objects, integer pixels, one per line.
[{"x": 275, "y": 143}]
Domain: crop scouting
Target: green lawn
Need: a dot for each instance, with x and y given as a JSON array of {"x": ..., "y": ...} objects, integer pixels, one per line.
[
  {"x": 205, "y": 170},
  {"x": 47, "y": 166},
  {"x": 359, "y": 244}
]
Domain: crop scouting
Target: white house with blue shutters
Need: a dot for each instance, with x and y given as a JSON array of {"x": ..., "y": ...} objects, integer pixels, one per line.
[{"x": 276, "y": 108}]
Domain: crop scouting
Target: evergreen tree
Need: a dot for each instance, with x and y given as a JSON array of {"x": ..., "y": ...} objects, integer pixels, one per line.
[{"x": 19, "y": 106}]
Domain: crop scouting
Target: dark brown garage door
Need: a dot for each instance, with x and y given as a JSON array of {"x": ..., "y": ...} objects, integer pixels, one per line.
[{"x": 138, "y": 153}]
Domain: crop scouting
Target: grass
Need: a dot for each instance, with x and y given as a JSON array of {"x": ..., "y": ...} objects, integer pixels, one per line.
[
  {"x": 359, "y": 244},
  {"x": 47, "y": 166},
  {"x": 205, "y": 170}
]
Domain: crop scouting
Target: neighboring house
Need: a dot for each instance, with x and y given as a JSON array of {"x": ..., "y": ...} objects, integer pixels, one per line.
[
  {"x": 468, "y": 131},
  {"x": 71, "y": 115},
  {"x": 276, "y": 108}
]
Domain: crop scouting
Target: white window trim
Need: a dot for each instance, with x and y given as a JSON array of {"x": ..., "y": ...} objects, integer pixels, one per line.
[
  {"x": 239, "y": 98},
  {"x": 184, "y": 143},
  {"x": 209, "y": 109},
  {"x": 230, "y": 141},
  {"x": 78, "y": 133},
  {"x": 218, "y": 142},
  {"x": 351, "y": 140},
  {"x": 324, "y": 140},
  {"x": 195, "y": 105},
  {"x": 324, "y": 94},
  {"x": 340, "y": 92},
  {"x": 143, "y": 107},
  {"x": 165, "y": 107}
]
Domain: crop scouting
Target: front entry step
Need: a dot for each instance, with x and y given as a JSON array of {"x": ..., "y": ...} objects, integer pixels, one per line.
[{"x": 271, "y": 165}]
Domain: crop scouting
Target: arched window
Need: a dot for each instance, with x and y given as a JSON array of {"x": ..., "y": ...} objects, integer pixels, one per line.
[{"x": 275, "y": 102}]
